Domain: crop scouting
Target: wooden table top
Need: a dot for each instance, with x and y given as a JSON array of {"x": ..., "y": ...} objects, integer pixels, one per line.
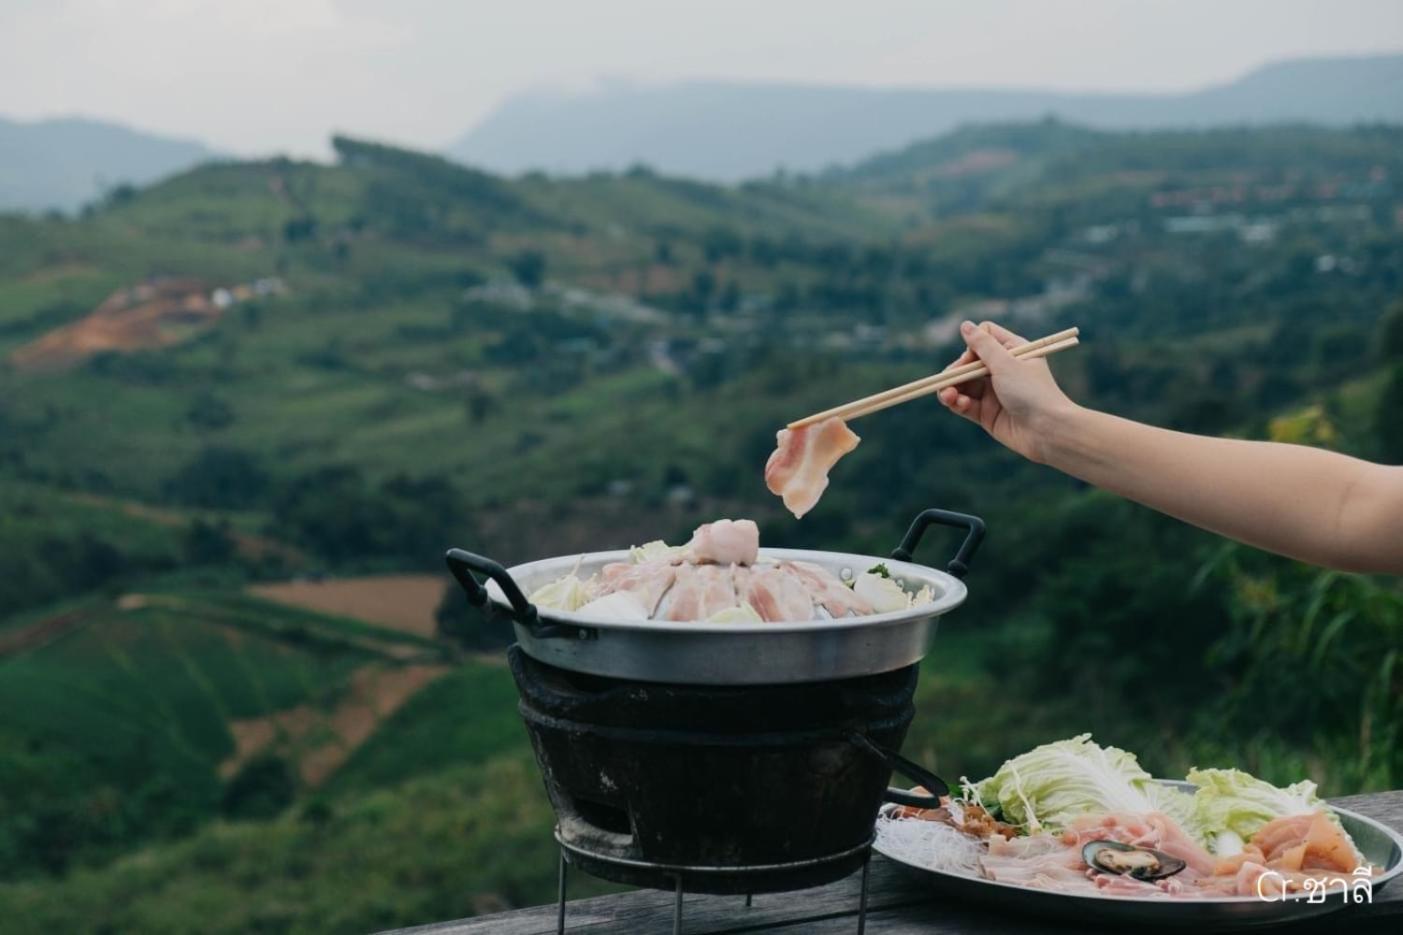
[{"x": 898, "y": 904}]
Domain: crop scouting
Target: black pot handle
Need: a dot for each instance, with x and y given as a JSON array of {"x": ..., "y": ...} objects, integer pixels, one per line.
[
  {"x": 974, "y": 535},
  {"x": 463, "y": 564},
  {"x": 911, "y": 770}
]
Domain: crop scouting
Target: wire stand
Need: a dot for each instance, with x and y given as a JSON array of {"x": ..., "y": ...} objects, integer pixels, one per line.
[{"x": 677, "y": 903}]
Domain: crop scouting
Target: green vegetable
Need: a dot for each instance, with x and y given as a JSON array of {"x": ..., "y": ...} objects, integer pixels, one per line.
[
  {"x": 884, "y": 594},
  {"x": 1048, "y": 786},
  {"x": 656, "y": 550},
  {"x": 1045, "y": 788},
  {"x": 1229, "y": 801},
  {"x": 566, "y": 593},
  {"x": 880, "y": 569}
]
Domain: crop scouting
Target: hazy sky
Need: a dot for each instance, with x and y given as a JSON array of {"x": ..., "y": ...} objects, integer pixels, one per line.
[{"x": 253, "y": 76}]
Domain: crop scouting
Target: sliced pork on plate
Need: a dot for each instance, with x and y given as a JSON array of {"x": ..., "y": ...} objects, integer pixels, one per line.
[{"x": 1078, "y": 818}]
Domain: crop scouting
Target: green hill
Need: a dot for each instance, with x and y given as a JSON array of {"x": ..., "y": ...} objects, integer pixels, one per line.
[
  {"x": 120, "y": 716},
  {"x": 257, "y": 370}
]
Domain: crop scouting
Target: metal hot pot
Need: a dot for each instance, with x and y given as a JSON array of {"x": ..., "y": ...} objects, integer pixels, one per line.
[
  {"x": 728, "y": 653},
  {"x": 721, "y": 758}
]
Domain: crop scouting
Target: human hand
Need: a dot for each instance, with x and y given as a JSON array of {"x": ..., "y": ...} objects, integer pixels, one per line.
[{"x": 1019, "y": 399}]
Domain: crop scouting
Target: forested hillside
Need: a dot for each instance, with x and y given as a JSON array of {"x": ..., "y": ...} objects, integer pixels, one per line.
[{"x": 262, "y": 371}]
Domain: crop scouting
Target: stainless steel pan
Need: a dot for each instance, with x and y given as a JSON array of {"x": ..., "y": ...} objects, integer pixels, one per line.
[{"x": 728, "y": 653}]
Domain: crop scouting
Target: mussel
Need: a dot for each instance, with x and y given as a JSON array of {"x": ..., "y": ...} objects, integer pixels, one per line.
[{"x": 1142, "y": 863}]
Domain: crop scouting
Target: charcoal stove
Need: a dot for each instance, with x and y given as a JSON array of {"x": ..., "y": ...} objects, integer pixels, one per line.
[
  {"x": 712, "y": 789},
  {"x": 721, "y": 758}
]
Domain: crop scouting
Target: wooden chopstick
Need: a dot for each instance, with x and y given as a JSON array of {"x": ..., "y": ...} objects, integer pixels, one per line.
[
  {"x": 936, "y": 382},
  {"x": 975, "y": 374}
]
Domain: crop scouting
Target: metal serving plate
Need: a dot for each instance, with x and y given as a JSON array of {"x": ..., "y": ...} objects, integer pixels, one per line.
[
  {"x": 1380, "y": 845},
  {"x": 701, "y": 653}
]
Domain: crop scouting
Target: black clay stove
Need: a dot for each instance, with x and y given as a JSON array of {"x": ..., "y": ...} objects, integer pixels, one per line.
[{"x": 713, "y": 789}]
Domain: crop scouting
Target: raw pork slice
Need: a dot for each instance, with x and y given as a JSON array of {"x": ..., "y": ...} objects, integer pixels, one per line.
[
  {"x": 648, "y": 581},
  {"x": 725, "y": 542},
  {"x": 798, "y": 470},
  {"x": 698, "y": 592},
  {"x": 827, "y": 591},
  {"x": 775, "y": 593}
]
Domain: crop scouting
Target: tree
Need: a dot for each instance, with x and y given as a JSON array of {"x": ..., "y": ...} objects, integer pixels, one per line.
[
  {"x": 120, "y": 194},
  {"x": 262, "y": 788},
  {"x": 252, "y": 315},
  {"x": 337, "y": 513},
  {"x": 471, "y": 627},
  {"x": 703, "y": 290},
  {"x": 480, "y": 404},
  {"x": 1391, "y": 333},
  {"x": 208, "y": 411},
  {"x": 1388, "y": 418},
  {"x": 719, "y": 243},
  {"x": 1339, "y": 349},
  {"x": 222, "y": 478},
  {"x": 529, "y": 267},
  {"x": 208, "y": 543},
  {"x": 299, "y": 229},
  {"x": 730, "y": 297}
]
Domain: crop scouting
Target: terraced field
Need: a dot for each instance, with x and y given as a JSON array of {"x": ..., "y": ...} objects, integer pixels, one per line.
[
  {"x": 167, "y": 695},
  {"x": 401, "y": 602}
]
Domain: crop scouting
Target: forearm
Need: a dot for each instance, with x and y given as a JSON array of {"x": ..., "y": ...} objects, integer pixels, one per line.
[{"x": 1313, "y": 505}]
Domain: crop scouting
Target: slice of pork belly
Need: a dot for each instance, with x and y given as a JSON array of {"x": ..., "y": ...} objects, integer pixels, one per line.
[
  {"x": 698, "y": 592},
  {"x": 797, "y": 472},
  {"x": 775, "y": 593},
  {"x": 826, "y": 590},
  {"x": 647, "y": 581},
  {"x": 725, "y": 542}
]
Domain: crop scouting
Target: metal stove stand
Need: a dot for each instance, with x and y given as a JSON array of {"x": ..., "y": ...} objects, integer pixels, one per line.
[{"x": 680, "y": 874}]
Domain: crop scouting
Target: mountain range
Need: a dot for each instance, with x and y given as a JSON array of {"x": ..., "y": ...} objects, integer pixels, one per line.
[
  {"x": 66, "y": 162},
  {"x": 727, "y": 131}
]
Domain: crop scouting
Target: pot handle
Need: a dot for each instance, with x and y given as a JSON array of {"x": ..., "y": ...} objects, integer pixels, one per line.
[
  {"x": 463, "y": 564},
  {"x": 911, "y": 770},
  {"x": 957, "y": 566}
]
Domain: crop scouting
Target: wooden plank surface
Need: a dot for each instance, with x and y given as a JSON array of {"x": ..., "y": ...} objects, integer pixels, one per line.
[{"x": 899, "y": 903}]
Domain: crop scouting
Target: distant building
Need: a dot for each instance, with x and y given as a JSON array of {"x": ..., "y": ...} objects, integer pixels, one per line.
[
  {"x": 1101, "y": 233},
  {"x": 500, "y": 293},
  {"x": 608, "y": 304},
  {"x": 1204, "y": 223},
  {"x": 1258, "y": 232}
]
